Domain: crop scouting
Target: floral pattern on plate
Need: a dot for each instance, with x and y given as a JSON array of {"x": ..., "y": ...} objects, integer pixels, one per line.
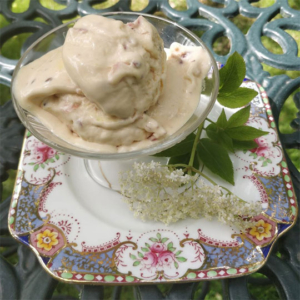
[
  {"x": 159, "y": 256},
  {"x": 47, "y": 240},
  {"x": 84, "y": 233},
  {"x": 263, "y": 231}
]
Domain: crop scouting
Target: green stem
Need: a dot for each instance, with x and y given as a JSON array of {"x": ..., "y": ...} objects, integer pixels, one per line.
[
  {"x": 203, "y": 175},
  {"x": 209, "y": 120},
  {"x": 177, "y": 166},
  {"x": 192, "y": 157}
]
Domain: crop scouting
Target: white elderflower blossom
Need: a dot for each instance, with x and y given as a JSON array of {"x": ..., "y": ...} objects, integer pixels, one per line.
[{"x": 161, "y": 193}]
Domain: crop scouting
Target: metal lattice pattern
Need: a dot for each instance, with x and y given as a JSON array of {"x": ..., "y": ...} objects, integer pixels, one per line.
[{"x": 21, "y": 281}]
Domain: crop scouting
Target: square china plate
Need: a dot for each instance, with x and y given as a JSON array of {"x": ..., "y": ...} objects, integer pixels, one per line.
[{"x": 82, "y": 232}]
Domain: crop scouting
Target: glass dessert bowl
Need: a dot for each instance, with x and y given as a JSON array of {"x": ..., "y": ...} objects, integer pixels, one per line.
[{"x": 169, "y": 32}]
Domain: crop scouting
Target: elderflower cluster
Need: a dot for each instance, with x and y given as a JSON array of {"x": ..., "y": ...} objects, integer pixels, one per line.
[{"x": 160, "y": 193}]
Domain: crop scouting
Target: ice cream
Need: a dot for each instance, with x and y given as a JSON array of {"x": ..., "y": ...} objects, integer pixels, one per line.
[
  {"x": 110, "y": 87},
  {"x": 119, "y": 67}
]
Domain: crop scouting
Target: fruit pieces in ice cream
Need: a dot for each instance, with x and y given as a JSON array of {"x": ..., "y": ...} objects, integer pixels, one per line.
[
  {"x": 120, "y": 67},
  {"x": 109, "y": 88},
  {"x": 86, "y": 120},
  {"x": 186, "y": 68}
]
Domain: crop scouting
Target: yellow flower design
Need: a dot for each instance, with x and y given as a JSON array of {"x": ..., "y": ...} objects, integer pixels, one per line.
[
  {"x": 261, "y": 230},
  {"x": 47, "y": 239}
]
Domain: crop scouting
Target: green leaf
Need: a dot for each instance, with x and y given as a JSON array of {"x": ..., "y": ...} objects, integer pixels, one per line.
[
  {"x": 178, "y": 252},
  {"x": 219, "y": 136},
  {"x": 181, "y": 259},
  {"x": 239, "y": 118},
  {"x": 264, "y": 164},
  {"x": 158, "y": 235},
  {"x": 182, "y": 159},
  {"x": 51, "y": 160},
  {"x": 136, "y": 263},
  {"x": 140, "y": 254},
  {"x": 261, "y": 158},
  {"x": 56, "y": 156},
  {"x": 132, "y": 256},
  {"x": 232, "y": 74},
  {"x": 164, "y": 240},
  {"x": 226, "y": 141},
  {"x": 240, "y": 97},
  {"x": 145, "y": 249},
  {"x": 172, "y": 249},
  {"x": 153, "y": 240},
  {"x": 170, "y": 245},
  {"x": 244, "y": 145},
  {"x": 222, "y": 120},
  {"x": 181, "y": 148},
  {"x": 254, "y": 155},
  {"x": 147, "y": 245},
  {"x": 176, "y": 264},
  {"x": 43, "y": 166},
  {"x": 245, "y": 133},
  {"x": 212, "y": 131},
  {"x": 36, "y": 167},
  {"x": 215, "y": 157},
  {"x": 31, "y": 164}
]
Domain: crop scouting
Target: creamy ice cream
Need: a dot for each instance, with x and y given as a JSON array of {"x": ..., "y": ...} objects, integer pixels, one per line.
[
  {"x": 120, "y": 67},
  {"x": 110, "y": 88}
]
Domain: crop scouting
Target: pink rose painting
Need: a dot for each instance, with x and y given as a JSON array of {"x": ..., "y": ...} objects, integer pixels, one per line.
[
  {"x": 268, "y": 153},
  {"x": 158, "y": 247},
  {"x": 265, "y": 158},
  {"x": 149, "y": 260},
  {"x": 167, "y": 258},
  {"x": 40, "y": 155},
  {"x": 264, "y": 150},
  {"x": 160, "y": 255}
]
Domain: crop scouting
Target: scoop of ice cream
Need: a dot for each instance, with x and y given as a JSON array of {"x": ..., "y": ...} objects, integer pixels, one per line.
[
  {"x": 195, "y": 61},
  {"x": 186, "y": 68},
  {"x": 85, "y": 120},
  {"x": 120, "y": 67},
  {"x": 43, "y": 77}
]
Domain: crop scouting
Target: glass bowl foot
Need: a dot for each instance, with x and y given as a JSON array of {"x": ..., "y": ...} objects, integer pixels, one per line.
[{"x": 107, "y": 172}]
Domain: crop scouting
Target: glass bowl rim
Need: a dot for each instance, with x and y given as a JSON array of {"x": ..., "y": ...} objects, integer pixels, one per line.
[{"x": 155, "y": 148}]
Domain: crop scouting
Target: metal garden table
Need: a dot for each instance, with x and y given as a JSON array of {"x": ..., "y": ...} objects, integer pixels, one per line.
[{"x": 27, "y": 279}]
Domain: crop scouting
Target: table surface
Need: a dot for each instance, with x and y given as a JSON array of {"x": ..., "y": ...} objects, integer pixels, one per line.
[{"x": 214, "y": 19}]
